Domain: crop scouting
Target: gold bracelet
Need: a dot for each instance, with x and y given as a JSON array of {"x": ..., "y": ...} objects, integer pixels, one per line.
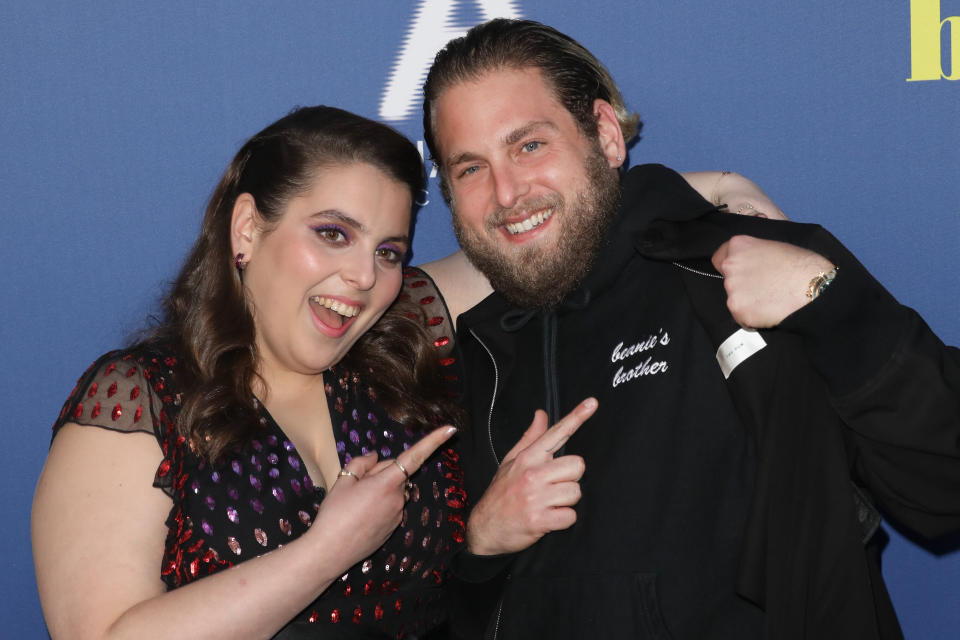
[{"x": 820, "y": 282}]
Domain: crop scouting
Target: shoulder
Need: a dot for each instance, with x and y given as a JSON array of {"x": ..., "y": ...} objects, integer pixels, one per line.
[
  {"x": 123, "y": 390},
  {"x": 461, "y": 284}
]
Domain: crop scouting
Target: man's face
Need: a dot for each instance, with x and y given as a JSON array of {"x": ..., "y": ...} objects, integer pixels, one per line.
[{"x": 531, "y": 195}]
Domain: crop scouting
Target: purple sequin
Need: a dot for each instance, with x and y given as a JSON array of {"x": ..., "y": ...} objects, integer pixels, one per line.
[
  {"x": 232, "y": 515},
  {"x": 255, "y": 482},
  {"x": 279, "y": 495},
  {"x": 256, "y": 505},
  {"x": 294, "y": 462}
]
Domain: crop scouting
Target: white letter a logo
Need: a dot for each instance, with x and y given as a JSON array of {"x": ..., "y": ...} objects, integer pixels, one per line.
[{"x": 433, "y": 26}]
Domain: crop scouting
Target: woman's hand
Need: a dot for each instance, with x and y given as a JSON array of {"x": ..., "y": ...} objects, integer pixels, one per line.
[{"x": 366, "y": 502}]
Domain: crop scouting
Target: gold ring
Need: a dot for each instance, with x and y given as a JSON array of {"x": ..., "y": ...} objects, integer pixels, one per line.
[
  {"x": 347, "y": 472},
  {"x": 405, "y": 474}
]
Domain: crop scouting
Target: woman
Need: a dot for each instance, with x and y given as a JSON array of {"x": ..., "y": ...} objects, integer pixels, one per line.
[{"x": 241, "y": 443}]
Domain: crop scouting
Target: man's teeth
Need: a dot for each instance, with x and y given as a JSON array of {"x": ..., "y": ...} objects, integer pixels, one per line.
[
  {"x": 335, "y": 305},
  {"x": 532, "y": 222}
]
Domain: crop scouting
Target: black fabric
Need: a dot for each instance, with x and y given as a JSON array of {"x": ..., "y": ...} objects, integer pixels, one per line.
[{"x": 817, "y": 420}]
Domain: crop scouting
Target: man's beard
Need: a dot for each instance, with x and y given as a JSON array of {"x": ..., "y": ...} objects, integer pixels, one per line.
[{"x": 535, "y": 277}]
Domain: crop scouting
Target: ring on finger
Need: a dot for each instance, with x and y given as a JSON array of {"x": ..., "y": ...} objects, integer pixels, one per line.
[
  {"x": 405, "y": 474},
  {"x": 347, "y": 472}
]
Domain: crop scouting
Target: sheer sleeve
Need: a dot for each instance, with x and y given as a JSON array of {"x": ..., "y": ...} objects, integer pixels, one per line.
[
  {"x": 420, "y": 288},
  {"x": 128, "y": 391}
]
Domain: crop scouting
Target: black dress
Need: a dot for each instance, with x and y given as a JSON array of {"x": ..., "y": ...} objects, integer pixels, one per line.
[{"x": 261, "y": 497}]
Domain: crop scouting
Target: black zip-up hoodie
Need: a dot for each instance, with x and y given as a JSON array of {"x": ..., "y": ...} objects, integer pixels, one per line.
[{"x": 712, "y": 508}]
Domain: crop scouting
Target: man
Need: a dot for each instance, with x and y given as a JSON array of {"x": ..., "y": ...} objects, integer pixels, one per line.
[{"x": 722, "y": 483}]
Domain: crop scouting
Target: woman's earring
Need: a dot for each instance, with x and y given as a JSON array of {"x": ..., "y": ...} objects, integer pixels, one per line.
[{"x": 238, "y": 262}]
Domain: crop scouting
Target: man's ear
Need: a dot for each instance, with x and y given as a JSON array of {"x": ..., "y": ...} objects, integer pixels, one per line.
[
  {"x": 244, "y": 225},
  {"x": 609, "y": 133}
]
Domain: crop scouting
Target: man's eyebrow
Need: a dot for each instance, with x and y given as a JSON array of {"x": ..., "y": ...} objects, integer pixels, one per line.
[
  {"x": 517, "y": 135},
  {"x": 460, "y": 158}
]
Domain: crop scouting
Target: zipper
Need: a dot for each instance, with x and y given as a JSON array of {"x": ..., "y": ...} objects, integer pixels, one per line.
[
  {"x": 496, "y": 627},
  {"x": 698, "y": 272},
  {"x": 496, "y": 384}
]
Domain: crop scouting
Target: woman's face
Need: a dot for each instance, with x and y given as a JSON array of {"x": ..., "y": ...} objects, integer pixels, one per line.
[{"x": 329, "y": 268}]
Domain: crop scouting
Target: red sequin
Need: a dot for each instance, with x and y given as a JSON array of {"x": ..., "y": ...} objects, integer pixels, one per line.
[
  {"x": 335, "y": 616},
  {"x": 110, "y": 369},
  {"x": 314, "y": 616},
  {"x": 447, "y": 361},
  {"x": 427, "y": 299},
  {"x": 416, "y": 284},
  {"x": 357, "y": 614},
  {"x": 378, "y": 611},
  {"x": 368, "y": 587},
  {"x": 95, "y": 411},
  {"x": 135, "y": 392},
  {"x": 78, "y": 412},
  {"x": 117, "y": 411},
  {"x": 138, "y": 413},
  {"x": 398, "y": 605},
  {"x": 112, "y": 390},
  {"x": 442, "y": 341},
  {"x": 93, "y": 390},
  {"x": 435, "y": 320}
]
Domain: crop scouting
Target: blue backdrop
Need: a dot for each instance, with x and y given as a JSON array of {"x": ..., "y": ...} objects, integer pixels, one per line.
[{"x": 117, "y": 119}]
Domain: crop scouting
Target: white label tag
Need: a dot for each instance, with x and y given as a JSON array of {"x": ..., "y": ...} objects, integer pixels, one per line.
[{"x": 737, "y": 348}]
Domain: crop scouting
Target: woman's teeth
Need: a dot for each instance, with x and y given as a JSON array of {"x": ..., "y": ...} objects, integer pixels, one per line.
[
  {"x": 345, "y": 310},
  {"x": 532, "y": 222}
]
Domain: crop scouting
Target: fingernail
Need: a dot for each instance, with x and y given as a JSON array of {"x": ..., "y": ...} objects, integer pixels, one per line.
[
  {"x": 450, "y": 431},
  {"x": 590, "y": 403}
]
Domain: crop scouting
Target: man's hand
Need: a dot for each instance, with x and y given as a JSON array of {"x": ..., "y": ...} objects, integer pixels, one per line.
[
  {"x": 766, "y": 280},
  {"x": 532, "y": 493}
]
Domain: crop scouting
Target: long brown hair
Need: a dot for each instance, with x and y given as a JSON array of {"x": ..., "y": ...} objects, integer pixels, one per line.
[{"x": 208, "y": 324}]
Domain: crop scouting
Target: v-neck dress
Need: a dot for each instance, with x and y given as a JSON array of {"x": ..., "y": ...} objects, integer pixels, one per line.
[{"x": 261, "y": 497}]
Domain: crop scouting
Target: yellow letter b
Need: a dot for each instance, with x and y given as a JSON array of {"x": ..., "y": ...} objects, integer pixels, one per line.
[{"x": 926, "y": 28}]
